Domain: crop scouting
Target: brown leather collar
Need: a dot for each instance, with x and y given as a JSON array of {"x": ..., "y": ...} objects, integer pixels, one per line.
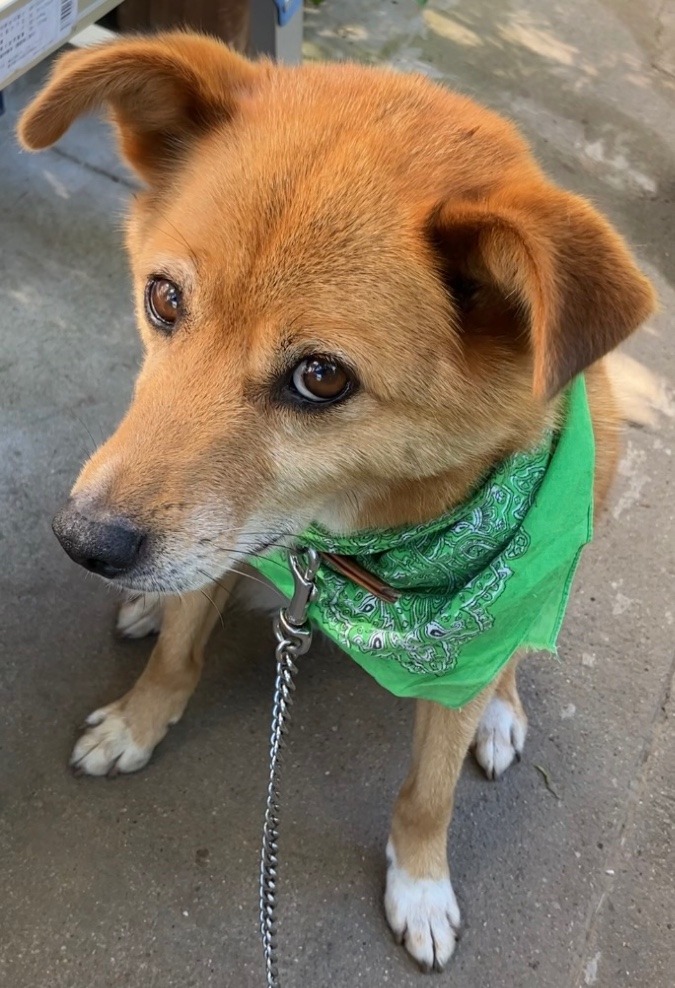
[{"x": 347, "y": 566}]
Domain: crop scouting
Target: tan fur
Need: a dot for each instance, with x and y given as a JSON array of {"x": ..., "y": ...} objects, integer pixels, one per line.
[{"x": 334, "y": 209}]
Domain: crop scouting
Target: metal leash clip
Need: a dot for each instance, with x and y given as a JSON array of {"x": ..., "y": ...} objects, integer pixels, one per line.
[
  {"x": 294, "y": 636},
  {"x": 290, "y": 625}
]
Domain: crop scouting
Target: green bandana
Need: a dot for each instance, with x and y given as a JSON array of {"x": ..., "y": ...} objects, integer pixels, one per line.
[{"x": 488, "y": 578}]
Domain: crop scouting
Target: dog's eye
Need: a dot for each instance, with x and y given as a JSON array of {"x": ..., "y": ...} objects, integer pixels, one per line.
[
  {"x": 163, "y": 302},
  {"x": 321, "y": 379}
]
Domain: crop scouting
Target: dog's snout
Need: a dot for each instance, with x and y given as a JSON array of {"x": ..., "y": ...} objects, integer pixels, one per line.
[{"x": 108, "y": 547}]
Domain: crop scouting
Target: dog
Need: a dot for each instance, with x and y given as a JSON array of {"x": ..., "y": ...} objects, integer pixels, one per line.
[{"x": 357, "y": 293}]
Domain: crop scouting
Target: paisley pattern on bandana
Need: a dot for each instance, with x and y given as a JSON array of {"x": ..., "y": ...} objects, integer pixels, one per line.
[
  {"x": 451, "y": 573},
  {"x": 487, "y": 578}
]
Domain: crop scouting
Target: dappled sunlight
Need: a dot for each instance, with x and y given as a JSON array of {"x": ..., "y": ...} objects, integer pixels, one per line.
[
  {"x": 630, "y": 60},
  {"x": 20, "y": 296},
  {"x": 637, "y": 80},
  {"x": 619, "y": 172},
  {"x": 506, "y": 42},
  {"x": 451, "y": 29},
  {"x": 355, "y": 32},
  {"x": 522, "y": 31}
]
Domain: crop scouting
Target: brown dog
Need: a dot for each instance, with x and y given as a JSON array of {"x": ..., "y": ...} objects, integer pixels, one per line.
[{"x": 357, "y": 293}]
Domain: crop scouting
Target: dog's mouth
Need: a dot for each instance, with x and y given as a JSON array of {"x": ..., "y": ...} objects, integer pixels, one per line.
[
  {"x": 141, "y": 561},
  {"x": 167, "y": 572}
]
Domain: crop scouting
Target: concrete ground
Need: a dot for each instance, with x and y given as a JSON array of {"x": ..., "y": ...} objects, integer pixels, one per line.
[{"x": 152, "y": 880}]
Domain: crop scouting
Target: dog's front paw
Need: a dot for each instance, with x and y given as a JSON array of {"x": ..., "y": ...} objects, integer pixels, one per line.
[
  {"x": 109, "y": 745},
  {"x": 500, "y": 737},
  {"x": 422, "y": 913},
  {"x": 140, "y": 616}
]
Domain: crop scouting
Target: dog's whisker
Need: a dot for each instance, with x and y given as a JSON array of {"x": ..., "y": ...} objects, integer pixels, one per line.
[
  {"x": 237, "y": 572},
  {"x": 244, "y": 554},
  {"x": 268, "y": 536},
  {"x": 88, "y": 452},
  {"x": 251, "y": 549},
  {"x": 213, "y": 604}
]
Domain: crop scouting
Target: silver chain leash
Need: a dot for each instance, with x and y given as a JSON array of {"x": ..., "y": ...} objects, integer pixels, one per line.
[{"x": 294, "y": 636}]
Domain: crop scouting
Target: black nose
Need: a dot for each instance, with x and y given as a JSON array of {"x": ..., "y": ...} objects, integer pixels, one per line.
[{"x": 108, "y": 547}]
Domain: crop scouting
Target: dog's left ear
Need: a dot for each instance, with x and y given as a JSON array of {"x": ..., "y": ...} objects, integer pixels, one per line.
[
  {"x": 562, "y": 271},
  {"x": 163, "y": 91}
]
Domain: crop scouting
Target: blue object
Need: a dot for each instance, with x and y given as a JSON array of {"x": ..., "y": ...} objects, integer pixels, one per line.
[{"x": 286, "y": 9}]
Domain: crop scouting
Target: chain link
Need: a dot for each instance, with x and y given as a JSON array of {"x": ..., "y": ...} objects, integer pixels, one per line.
[{"x": 294, "y": 636}]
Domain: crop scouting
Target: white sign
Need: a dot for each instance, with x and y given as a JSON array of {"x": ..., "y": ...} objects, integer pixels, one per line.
[{"x": 33, "y": 29}]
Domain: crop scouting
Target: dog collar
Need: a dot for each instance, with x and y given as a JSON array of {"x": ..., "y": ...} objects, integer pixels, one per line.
[{"x": 464, "y": 592}]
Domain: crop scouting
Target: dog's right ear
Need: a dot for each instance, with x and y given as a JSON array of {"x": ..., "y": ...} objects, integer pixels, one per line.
[{"x": 163, "y": 91}]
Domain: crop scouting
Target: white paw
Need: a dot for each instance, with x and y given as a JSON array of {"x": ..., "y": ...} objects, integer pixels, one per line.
[
  {"x": 422, "y": 913},
  {"x": 500, "y": 737},
  {"x": 107, "y": 746},
  {"x": 140, "y": 616}
]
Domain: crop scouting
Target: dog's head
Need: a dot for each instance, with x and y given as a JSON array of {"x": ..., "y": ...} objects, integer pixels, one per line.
[{"x": 354, "y": 288}]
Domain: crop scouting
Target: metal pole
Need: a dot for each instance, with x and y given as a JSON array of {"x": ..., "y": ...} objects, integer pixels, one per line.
[{"x": 276, "y": 30}]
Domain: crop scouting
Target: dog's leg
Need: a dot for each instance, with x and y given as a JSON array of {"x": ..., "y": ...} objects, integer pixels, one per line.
[
  {"x": 419, "y": 900},
  {"x": 501, "y": 732},
  {"x": 122, "y": 736},
  {"x": 141, "y": 616}
]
